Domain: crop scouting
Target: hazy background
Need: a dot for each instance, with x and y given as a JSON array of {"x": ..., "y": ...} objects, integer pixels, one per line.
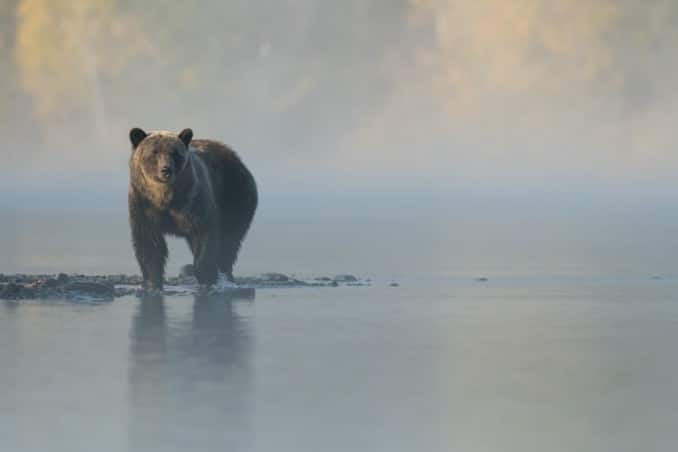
[{"x": 459, "y": 137}]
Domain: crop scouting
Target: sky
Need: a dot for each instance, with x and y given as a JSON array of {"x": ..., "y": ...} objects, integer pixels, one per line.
[{"x": 366, "y": 100}]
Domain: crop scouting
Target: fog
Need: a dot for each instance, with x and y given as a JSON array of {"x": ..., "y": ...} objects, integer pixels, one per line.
[{"x": 484, "y": 111}]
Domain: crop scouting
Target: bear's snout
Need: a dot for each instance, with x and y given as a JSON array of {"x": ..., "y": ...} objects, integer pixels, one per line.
[
  {"x": 166, "y": 171},
  {"x": 165, "y": 167}
]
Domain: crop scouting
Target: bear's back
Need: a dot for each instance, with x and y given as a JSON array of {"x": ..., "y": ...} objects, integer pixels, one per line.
[
  {"x": 215, "y": 153},
  {"x": 232, "y": 182}
]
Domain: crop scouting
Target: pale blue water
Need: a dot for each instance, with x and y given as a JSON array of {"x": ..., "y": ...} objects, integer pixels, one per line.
[
  {"x": 494, "y": 241},
  {"x": 509, "y": 365},
  {"x": 568, "y": 346}
]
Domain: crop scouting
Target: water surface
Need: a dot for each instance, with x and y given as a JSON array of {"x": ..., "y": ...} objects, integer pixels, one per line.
[{"x": 509, "y": 365}]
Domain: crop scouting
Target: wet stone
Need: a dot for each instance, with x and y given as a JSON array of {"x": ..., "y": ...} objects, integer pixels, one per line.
[
  {"x": 187, "y": 271},
  {"x": 86, "y": 287},
  {"x": 10, "y": 291},
  {"x": 107, "y": 287},
  {"x": 276, "y": 277}
]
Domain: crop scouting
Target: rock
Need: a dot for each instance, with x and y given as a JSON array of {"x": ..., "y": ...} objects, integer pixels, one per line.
[
  {"x": 482, "y": 279},
  {"x": 111, "y": 279},
  {"x": 90, "y": 288},
  {"x": 275, "y": 277},
  {"x": 41, "y": 286},
  {"x": 28, "y": 292},
  {"x": 33, "y": 284},
  {"x": 107, "y": 287},
  {"x": 186, "y": 277},
  {"x": 187, "y": 271},
  {"x": 10, "y": 291},
  {"x": 134, "y": 280},
  {"x": 50, "y": 282}
]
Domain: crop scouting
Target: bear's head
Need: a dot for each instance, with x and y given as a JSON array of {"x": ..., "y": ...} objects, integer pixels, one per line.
[{"x": 159, "y": 156}]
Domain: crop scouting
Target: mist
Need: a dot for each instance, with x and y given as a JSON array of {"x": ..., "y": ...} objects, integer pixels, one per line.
[{"x": 429, "y": 112}]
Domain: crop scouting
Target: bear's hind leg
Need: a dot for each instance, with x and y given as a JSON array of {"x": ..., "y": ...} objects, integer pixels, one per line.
[
  {"x": 229, "y": 247},
  {"x": 204, "y": 259},
  {"x": 228, "y": 253}
]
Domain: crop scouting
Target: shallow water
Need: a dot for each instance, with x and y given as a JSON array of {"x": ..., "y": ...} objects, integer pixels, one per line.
[
  {"x": 508, "y": 365},
  {"x": 527, "y": 242}
]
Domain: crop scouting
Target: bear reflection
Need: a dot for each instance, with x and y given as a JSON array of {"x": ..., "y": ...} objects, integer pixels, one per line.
[{"x": 190, "y": 376}]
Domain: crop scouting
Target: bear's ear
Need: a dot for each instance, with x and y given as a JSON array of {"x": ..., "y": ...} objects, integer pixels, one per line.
[
  {"x": 136, "y": 136},
  {"x": 186, "y": 136}
]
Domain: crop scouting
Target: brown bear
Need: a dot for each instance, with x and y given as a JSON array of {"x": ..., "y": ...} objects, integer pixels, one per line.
[{"x": 196, "y": 189}]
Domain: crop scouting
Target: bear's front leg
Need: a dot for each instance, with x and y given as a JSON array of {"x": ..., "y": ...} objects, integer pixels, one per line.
[
  {"x": 151, "y": 252},
  {"x": 149, "y": 244},
  {"x": 204, "y": 259}
]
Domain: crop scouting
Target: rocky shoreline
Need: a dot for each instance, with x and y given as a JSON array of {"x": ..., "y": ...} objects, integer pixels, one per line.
[{"x": 109, "y": 287}]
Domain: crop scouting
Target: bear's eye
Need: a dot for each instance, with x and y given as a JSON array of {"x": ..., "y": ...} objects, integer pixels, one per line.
[{"x": 156, "y": 152}]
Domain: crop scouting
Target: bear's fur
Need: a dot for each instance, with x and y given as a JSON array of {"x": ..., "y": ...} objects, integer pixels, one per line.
[{"x": 196, "y": 189}]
